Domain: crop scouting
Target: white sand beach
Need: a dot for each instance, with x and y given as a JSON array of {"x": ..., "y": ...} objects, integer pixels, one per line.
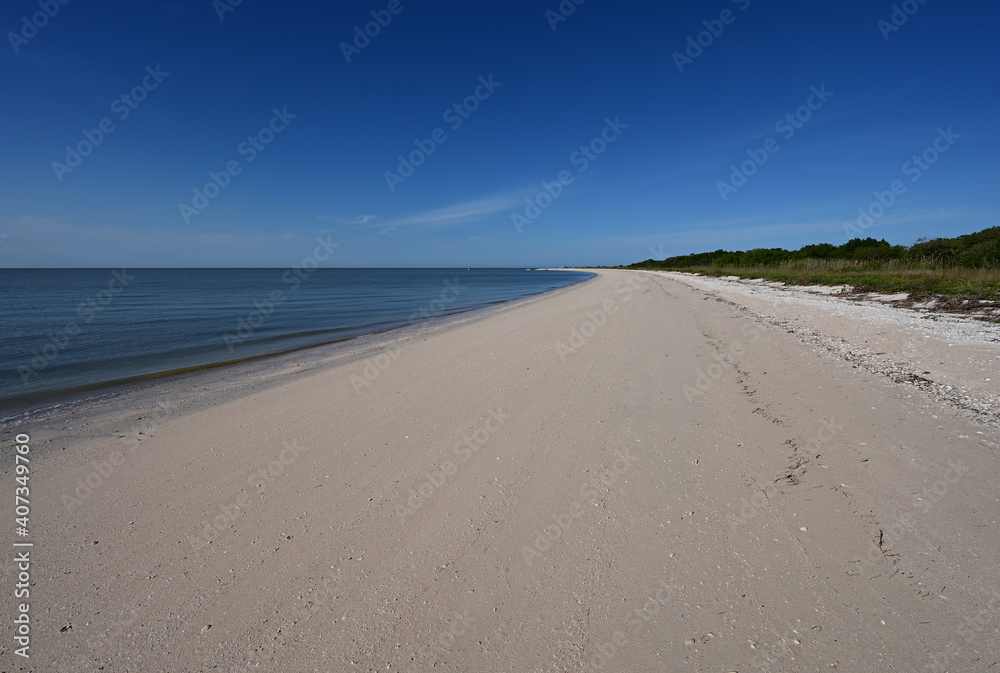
[{"x": 637, "y": 473}]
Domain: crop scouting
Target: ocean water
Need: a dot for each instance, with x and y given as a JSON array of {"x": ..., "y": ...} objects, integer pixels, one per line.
[{"x": 67, "y": 330}]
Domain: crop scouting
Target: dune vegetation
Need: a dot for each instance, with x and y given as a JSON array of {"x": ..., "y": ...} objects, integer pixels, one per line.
[{"x": 967, "y": 266}]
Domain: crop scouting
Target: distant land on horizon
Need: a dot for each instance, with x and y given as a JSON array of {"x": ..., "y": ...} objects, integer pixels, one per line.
[{"x": 979, "y": 249}]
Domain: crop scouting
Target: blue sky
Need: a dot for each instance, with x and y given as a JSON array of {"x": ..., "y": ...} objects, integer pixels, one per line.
[{"x": 210, "y": 84}]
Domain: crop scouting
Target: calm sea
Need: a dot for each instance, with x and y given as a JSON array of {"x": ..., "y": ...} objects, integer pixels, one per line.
[{"x": 65, "y": 330}]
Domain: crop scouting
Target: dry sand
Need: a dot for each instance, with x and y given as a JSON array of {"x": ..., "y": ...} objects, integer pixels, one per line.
[{"x": 624, "y": 475}]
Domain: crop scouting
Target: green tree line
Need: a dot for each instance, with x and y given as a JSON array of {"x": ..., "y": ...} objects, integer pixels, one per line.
[{"x": 980, "y": 250}]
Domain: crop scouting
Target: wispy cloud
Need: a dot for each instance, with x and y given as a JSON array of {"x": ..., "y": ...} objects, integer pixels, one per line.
[
  {"x": 461, "y": 212},
  {"x": 360, "y": 219}
]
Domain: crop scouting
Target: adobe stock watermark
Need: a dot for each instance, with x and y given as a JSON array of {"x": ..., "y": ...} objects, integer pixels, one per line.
[
  {"x": 970, "y": 632},
  {"x": 582, "y": 158},
  {"x": 788, "y": 126},
  {"x": 596, "y": 319},
  {"x": 562, "y": 13},
  {"x": 258, "y": 479},
  {"x": 706, "y": 378},
  {"x": 291, "y": 281},
  {"x": 362, "y": 38},
  {"x": 633, "y": 624},
  {"x": 38, "y": 20},
  {"x": 375, "y": 366},
  {"x": 223, "y": 7},
  {"x": 914, "y": 169},
  {"x": 749, "y": 509},
  {"x": 103, "y": 469},
  {"x": 249, "y": 148},
  {"x": 900, "y": 15},
  {"x": 312, "y": 602},
  {"x": 463, "y": 451},
  {"x": 697, "y": 45},
  {"x": 454, "y": 116},
  {"x": 440, "y": 642},
  {"x": 561, "y": 522},
  {"x": 658, "y": 253},
  {"x": 59, "y": 340},
  {"x": 122, "y": 107},
  {"x": 903, "y": 525}
]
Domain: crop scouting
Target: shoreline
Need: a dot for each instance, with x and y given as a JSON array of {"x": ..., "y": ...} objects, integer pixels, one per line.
[
  {"x": 116, "y": 398},
  {"x": 13, "y": 413}
]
